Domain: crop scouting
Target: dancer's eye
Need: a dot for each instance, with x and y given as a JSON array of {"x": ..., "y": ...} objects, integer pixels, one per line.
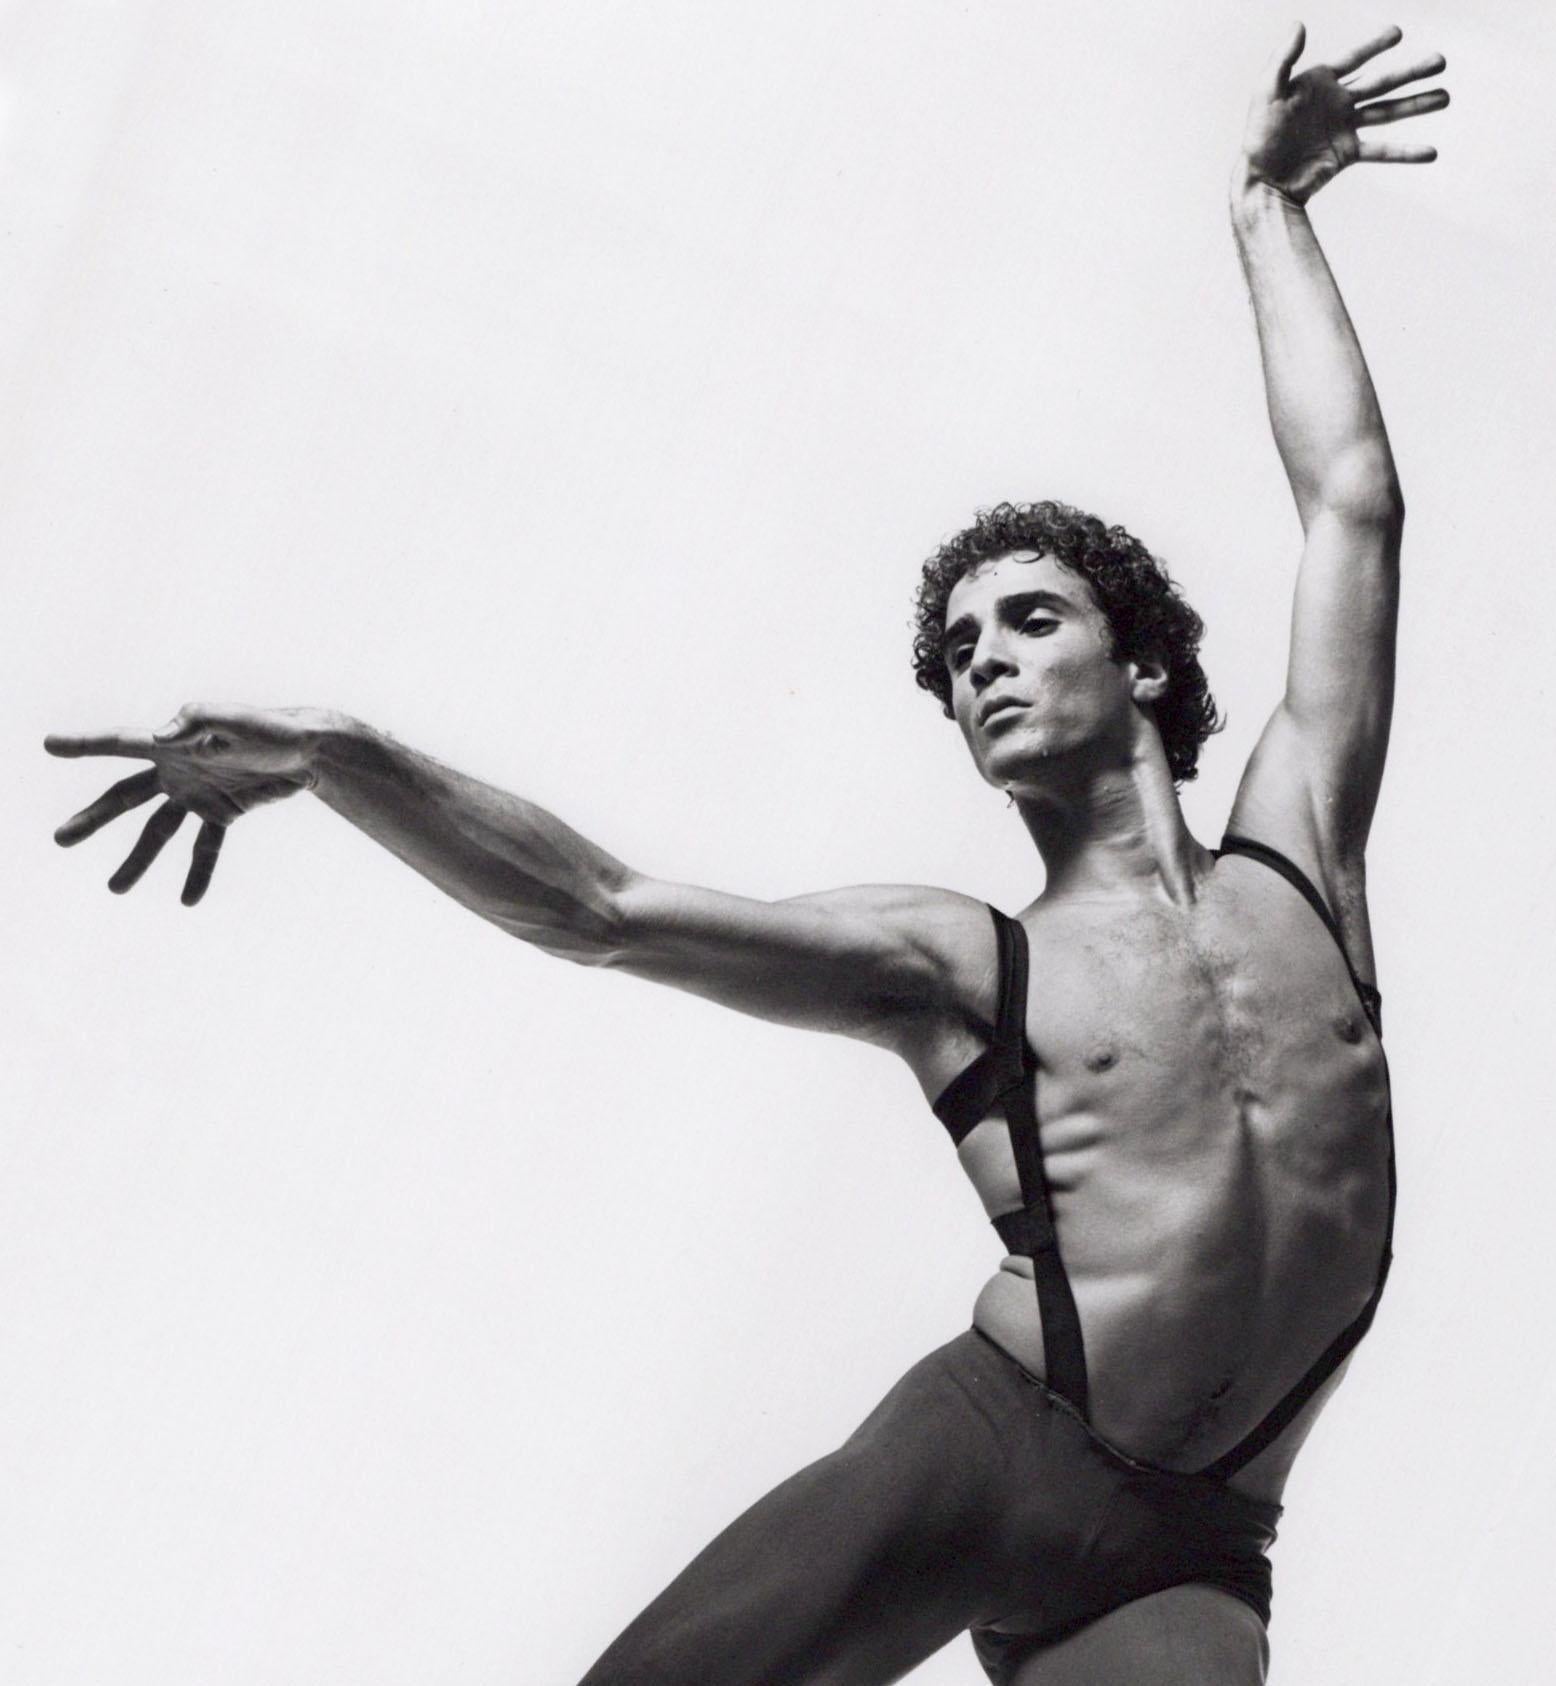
[{"x": 1039, "y": 625}]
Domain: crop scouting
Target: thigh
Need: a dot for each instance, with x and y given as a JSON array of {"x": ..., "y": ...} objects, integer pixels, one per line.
[
  {"x": 1187, "y": 1636},
  {"x": 850, "y": 1573}
]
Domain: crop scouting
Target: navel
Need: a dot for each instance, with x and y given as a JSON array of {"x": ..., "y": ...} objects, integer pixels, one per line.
[
  {"x": 1348, "y": 1027},
  {"x": 1102, "y": 1059}
]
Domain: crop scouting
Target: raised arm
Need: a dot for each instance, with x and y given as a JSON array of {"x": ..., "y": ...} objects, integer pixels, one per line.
[
  {"x": 1312, "y": 783},
  {"x": 877, "y": 963}
]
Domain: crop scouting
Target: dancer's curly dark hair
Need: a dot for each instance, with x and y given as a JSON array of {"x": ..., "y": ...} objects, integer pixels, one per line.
[{"x": 1145, "y": 611}]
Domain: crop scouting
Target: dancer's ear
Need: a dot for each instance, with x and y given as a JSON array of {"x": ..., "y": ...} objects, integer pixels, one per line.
[{"x": 1148, "y": 681}]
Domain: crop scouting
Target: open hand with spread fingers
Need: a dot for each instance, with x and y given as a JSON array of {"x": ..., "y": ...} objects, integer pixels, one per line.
[
  {"x": 1303, "y": 129},
  {"x": 215, "y": 763}
]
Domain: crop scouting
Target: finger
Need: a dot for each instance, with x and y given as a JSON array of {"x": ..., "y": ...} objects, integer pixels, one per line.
[
  {"x": 117, "y": 799},
  {"x": 108, "y": 743},
  {"x": 158, "y": 829},
  {"x": 1358, "y": 56},
  {"x": 1281, "y": 65},
  {"x": 1386, "y": 81},
  {"x": 1390, "y": 111},
  {"x": 208, "y": 845},
  {"x": 1370, "y": 151}
]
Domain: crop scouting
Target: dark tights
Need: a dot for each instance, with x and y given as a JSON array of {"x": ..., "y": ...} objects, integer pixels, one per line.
[{"x": 971, "y": 1497}]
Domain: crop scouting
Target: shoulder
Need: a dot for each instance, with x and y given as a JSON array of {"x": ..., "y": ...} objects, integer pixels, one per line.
[
  {"x": 934, "y": 957},
  {"x": 949, "y": 950},
  {"x": 930, "y": 939}
]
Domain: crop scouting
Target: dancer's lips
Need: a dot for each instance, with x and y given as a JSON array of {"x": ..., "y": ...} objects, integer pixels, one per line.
[{"x": 996, "y": 706}]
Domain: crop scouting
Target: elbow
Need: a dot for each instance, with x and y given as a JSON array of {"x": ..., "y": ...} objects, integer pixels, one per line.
[
  {"x": 584, "y": 945},
  {"x": 589, "y": 930},
  {"x": 1362, "y": 489},
  {"x": 599, "y": 935}
]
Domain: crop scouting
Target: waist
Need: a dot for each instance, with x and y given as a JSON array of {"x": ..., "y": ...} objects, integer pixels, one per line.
[{"x": 1174, "y": 1382}]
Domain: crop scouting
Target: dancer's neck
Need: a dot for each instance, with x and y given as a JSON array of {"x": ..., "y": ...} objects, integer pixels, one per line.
[{"x": 1114, "y": 833}]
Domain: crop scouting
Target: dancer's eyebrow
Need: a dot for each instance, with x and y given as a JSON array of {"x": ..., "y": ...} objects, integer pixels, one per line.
[{"x": 1010, "y": 609}]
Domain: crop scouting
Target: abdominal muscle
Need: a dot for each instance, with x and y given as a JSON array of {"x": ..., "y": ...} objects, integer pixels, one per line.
[
  {"x": 1207, "y": 1279},
  {"x": 1212, "y": 1109}
]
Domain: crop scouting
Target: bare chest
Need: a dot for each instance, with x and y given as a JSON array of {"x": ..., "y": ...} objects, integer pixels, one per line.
[
  {"x": 1235, "y": 999},
  {"x": 1175, "y": 1044}
]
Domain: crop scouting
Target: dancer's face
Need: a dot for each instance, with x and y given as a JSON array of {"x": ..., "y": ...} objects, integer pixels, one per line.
[{"x": 1033, "y": 685}]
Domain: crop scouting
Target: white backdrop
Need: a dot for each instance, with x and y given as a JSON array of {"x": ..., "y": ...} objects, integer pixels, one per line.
[{"x": 572, "y": 390}]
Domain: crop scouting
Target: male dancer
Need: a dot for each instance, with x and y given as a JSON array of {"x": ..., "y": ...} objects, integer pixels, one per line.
[{"x": 1181, "y": 1130}]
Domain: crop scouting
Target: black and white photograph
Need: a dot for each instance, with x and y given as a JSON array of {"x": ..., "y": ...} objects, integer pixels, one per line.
[{"x": 779, "y": 902}]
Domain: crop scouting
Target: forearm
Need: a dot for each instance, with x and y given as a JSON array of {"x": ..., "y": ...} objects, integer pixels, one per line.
[
  {"x": 1323, "y": 409},
  {"x": 508, "y": 860}
]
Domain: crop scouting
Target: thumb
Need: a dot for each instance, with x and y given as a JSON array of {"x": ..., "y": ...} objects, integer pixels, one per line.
[
  {"x": 1283, "y": 61},
  {"x": 183, "y": 724}
]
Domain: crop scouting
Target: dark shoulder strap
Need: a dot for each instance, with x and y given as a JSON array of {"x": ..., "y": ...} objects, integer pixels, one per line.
[
  {"x": 1232, "y": 844},
  {"x": 1003, "y": 1078},
  {"x": 1032, "y": 1228},
  {"x": 971, "y": 1096},
  {"x": 1285, "y": 1412}
]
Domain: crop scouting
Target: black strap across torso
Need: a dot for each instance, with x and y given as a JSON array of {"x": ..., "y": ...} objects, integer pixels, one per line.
[
  {"x": 1004, "y": 1075},
  {"x": 1004, "y": 1078},
  {"x": 1284, "y": 1413}
]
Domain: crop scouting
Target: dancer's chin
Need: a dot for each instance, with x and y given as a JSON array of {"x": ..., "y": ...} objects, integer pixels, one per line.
[{"x": 1013, "y": 766}]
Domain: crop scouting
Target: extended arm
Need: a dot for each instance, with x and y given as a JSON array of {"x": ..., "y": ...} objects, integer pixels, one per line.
[
  {"x": 868, "y": 962},
  {"x": 1314, "y": 778},
  {"x": 852, "y": 961}
]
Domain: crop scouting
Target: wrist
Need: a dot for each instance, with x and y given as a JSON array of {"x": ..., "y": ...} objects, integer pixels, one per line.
[
  {"x": 338, "y": 743},
  {"x": 1254, "y": 195}
]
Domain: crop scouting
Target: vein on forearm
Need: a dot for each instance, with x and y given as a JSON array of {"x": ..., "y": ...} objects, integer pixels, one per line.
[{"x": 507, "y": 859}]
